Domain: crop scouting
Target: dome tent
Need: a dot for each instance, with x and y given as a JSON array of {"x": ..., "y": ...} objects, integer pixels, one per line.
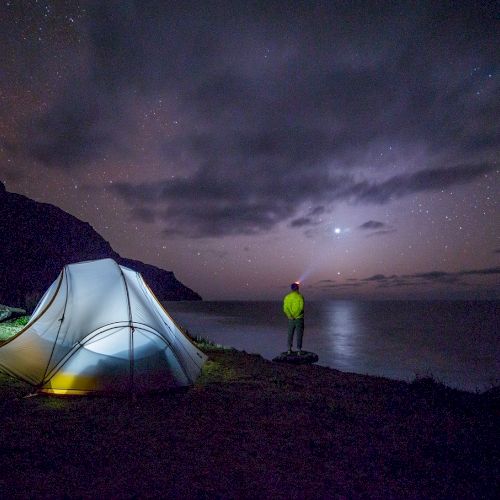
[{"x": 100, "y": 328}]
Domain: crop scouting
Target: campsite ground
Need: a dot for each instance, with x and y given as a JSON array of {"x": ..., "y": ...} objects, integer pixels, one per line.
[{"x": 251, "y": 428}]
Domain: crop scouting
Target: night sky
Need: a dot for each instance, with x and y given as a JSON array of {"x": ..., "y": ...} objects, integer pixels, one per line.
[{"x": 245, "y": 145}]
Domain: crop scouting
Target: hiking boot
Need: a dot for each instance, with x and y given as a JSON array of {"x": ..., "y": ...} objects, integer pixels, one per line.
[
  {"x": 289, "y": 352},
  {"x": 300, "y": 353}
]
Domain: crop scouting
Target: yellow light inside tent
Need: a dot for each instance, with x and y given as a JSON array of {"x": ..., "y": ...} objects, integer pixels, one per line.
[{"x": 62, "y": 384}]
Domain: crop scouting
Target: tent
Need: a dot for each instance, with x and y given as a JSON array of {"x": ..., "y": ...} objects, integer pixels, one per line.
[{"x": 100, "y": 328}]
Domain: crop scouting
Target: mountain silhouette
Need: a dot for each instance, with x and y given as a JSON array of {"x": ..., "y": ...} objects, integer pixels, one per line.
[{"x": 39, "y": 239}]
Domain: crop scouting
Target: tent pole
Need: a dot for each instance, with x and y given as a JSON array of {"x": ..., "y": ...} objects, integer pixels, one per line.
[
  {"x": 131, "y": 336},
  {"x": 64, "y": 274}
]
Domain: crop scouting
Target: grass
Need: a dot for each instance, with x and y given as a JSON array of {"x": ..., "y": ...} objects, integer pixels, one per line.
[
  {"x": 21, "y": 321},
  {"x": 215, "y": 372},
  {"x": 250, "y": 428},
  {"x": 203, "y": 343},
  {"x": 9, "y": 328}
]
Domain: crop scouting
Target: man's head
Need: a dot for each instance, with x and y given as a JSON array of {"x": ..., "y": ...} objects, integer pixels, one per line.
[{"x": 294, "y": 286}]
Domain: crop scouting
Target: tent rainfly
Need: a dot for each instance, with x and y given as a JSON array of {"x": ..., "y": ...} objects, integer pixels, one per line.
[{"x": 99, "y": 328}]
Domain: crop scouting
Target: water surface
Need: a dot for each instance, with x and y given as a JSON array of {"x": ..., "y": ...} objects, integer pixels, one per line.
[{"x": 456, "y": 342}]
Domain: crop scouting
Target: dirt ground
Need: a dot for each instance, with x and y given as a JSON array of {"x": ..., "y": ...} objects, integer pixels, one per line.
[{"x": 251, "y": 428}]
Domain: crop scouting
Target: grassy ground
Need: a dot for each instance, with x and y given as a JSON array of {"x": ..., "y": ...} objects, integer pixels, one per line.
[
  {"x": 251, "y": 428},
  {"x": 10, "y": 328}
]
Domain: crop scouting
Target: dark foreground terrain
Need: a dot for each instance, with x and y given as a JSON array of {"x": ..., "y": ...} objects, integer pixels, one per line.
[{"x": 253, "y": 429}]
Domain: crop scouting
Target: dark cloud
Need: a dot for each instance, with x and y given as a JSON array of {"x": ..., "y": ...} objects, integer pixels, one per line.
[
  {"x": 10, "y": 174},
  {"x": 71, "y": 133},
  {"x": 491, "y": 270},
  {"x": 317, "y": 211},
  {"x": 214, "y": 201},
  {"x": 144, "y": 214},
  {"x": 424, "y": 180},
  {"x": 448, "y": 277},
  {"x": 436, "y": 276},
  {"x": 431, "y": 275},
  {"x": 293, "y": 65},
  {"x": 312, "y": 219},
  {"x": 9, "y": 146},
  {"x": 372, "y": 224},
  {"x": 381, "y": 233},
  {"x": 279, "y": 110},
  {"x": 396, "y": 283},
  {"x": 376, "y": 277},
  {"x": 431, "y": 278},
  {"x": 340, "y": 286},
  {"x": 301, "y": 222}
]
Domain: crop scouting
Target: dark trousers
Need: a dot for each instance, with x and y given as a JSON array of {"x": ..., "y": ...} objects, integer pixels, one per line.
[{"x": 295, "y": 325}]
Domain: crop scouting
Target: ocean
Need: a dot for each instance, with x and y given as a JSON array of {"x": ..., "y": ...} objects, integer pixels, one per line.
[{"x": 456, "y": 342}]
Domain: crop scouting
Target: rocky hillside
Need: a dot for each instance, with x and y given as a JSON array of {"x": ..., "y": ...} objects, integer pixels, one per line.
[{"x": 39, "y": 239}]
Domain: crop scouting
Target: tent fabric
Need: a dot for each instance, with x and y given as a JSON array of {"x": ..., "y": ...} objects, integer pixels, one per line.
[{"x": 100, "y": 328}]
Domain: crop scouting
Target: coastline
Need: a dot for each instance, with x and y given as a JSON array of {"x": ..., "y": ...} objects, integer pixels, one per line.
[
  {"x": 252, "y": 428},
  {"x": 454, "y": 343}
]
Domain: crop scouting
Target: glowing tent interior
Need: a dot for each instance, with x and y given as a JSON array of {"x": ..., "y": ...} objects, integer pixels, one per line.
[{"x": 99, "y": 328}]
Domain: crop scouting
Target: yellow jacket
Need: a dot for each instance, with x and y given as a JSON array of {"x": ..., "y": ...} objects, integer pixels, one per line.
[{"x": 293, "y": 305}]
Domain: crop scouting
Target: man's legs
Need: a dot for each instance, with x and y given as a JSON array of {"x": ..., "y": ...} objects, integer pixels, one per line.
[
  {"x": 295, "y": 325},
  {"x": 291, "y": 329},
  {"x": 299, "y": 327}
]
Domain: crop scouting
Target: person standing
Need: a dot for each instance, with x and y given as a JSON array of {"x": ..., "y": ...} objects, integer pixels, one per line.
[{"x": 293, "y": 307}]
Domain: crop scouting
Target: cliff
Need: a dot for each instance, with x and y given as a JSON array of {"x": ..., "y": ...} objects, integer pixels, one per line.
[{"x": 40, "y": 239}]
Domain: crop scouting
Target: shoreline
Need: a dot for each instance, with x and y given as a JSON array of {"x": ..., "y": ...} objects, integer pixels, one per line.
[{"x": 450, "y": 343}]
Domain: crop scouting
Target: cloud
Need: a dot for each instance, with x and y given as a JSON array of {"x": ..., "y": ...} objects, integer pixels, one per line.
[
  {"x": 213, "y": 202},
  {"x": 448, "y": 277},
  {"x": 383, "y": 281},
  {"x": 376, "y": 277},
  {"x": 319, "y": 210},
  {"x": 431, "y": 179},
  {"x": 399, "y": 283},
  {"x": 144, "y": 214},
  {"x": 304, "y": 222},
  {"x": 431, "y": 278},
  {"x": 433, "y": 275},
  {"x": 71, "y": 133},
  {"x": 436, "y": 277},
  {"x": 381, "y": 233},
  {"x": 339, "y": 286},
  {"x": 490, "y": 270},
  {"x": 372, "y": 224},
  {"x": 301, "y": 222},
  {"x": 280, "y": 115}
]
